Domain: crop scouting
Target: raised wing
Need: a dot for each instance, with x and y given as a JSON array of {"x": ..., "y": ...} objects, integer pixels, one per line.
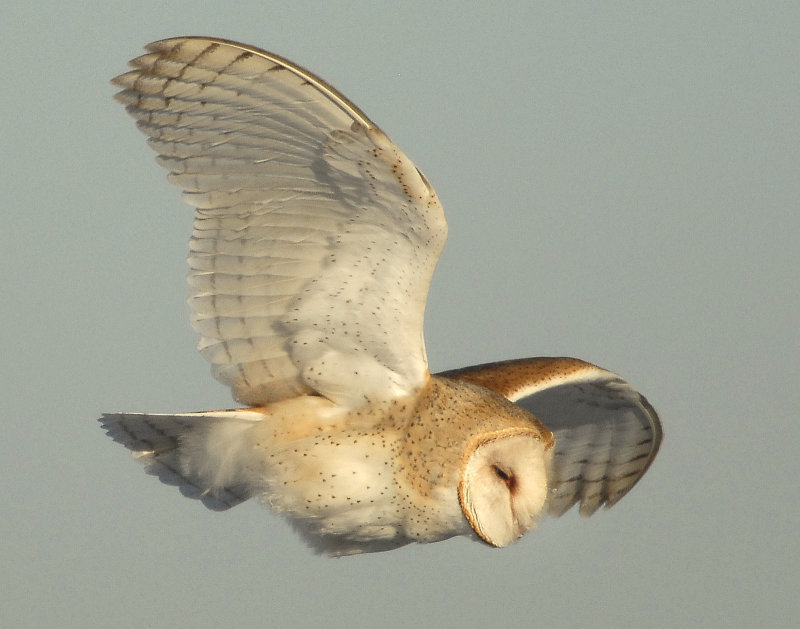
[
  {"x": 315, "y": 237},
  {"x": 606, "y": 433}
]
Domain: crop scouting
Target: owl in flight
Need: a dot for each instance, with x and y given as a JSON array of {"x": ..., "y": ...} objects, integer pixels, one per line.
[{"x": 314, "y": 243}]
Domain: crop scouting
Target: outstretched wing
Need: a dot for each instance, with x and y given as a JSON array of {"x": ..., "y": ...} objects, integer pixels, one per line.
[
  {"x": 315, "y": 237},
  {"x": 606, "y": 433}
]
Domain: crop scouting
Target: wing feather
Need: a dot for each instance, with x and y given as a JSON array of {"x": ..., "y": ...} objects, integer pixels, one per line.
[
  {"x": 607, "y": 434},
  {"x": 315, "y": 237}
]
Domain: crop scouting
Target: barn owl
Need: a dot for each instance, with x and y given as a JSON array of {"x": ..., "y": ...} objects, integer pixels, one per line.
[{"x": 314, "y": 242}]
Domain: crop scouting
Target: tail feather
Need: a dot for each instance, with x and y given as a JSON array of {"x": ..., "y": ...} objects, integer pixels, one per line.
[{"x": 176, "y": 448}]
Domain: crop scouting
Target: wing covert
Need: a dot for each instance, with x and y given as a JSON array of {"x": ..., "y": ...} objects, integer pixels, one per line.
[{"x": 315, "y": 237}]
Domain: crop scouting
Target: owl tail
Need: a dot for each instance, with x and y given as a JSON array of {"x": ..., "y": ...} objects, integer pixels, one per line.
[{"x": 203, "y": 454}]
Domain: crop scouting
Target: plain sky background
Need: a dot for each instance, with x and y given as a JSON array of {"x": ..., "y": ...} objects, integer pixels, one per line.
[{"x": 622, "y": 184}]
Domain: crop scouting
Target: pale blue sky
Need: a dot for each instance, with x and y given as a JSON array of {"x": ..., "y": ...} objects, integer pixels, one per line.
[{"x": 621, "y": 184}]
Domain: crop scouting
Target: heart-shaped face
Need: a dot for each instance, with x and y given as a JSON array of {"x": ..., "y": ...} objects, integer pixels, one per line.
[{"x": 503, "y": 485}]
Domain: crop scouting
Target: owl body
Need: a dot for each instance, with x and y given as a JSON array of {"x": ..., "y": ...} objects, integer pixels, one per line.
[
  {"x": 382, "y": 475},
  {"x": 314, "y": 242}
]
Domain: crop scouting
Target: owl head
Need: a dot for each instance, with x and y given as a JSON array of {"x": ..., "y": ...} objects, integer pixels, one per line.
[{"x": 503, "y": 483}]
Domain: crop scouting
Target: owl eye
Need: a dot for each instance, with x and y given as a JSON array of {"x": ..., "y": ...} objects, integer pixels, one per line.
[{"x": 509, "y": 479}]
